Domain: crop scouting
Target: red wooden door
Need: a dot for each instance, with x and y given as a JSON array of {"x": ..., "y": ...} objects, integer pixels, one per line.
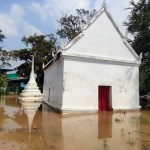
[{"x": 103, "y": 98}]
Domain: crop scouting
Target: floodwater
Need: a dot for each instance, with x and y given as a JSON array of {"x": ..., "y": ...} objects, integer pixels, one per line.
[{"x": 27, "y": 127}]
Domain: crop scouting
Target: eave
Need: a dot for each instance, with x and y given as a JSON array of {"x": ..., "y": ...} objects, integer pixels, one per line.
[{"x": 98, "y": 59}]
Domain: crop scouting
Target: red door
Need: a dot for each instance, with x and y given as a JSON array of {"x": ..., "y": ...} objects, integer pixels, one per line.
[{"x": 103, "y": 98}]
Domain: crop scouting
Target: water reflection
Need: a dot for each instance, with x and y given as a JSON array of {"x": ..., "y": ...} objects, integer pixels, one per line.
[
  {"x": 2, "y": 100},
  {"x": 15, "y": 124},
  {"x": 145, "y": 130},
  {"x": 107, "y": 130},
  {"x": 105, "y": 125},
  {"x": 52, "y": 131},
  {"x": 30, "y": 108}
]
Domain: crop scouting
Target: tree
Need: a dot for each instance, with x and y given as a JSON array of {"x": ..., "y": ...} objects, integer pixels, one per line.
[
  {"x": 138, "y": 24},
  {"x": 71, "y": 25},
  {"x": 4, "y": 55},
  {"x": 42, "y": 47},
  {"x": 1, "y": 36}
]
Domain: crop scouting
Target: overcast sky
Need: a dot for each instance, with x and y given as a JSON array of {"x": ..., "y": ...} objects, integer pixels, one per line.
[{"x": 26, "y": 17}]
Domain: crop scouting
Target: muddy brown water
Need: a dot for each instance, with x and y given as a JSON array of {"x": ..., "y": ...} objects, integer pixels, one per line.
[{"x": 25, "y": 128}]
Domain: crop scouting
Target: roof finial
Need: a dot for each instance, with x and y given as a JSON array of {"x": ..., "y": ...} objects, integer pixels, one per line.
[
  {"x": 43, "y": 65},
  {"x": 32, "y": 63},
  {"x": 126, "y": 34},
  {"x": 104, "y": 5},
  {"x": 141, "y": 55},
  {"x": 62, "y": 45},
  {"x": 67, "y": 41}
]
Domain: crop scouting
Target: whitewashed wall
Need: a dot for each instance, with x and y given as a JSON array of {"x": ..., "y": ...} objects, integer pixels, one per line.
[
  {"x": 53, "y": 79},
  {"x": 82, "y": 78}
]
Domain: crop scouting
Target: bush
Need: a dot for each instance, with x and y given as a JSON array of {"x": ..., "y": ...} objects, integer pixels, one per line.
[{"x": 3, "y": 81}]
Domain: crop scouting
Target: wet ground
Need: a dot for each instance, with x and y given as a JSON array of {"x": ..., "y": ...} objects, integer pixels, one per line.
[{"x": 27, "y": 127}]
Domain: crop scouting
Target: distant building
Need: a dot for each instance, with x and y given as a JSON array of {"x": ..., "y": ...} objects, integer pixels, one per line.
[
  {"x": 16, "y": 83},
  {"x": 4, "y": 70},
  {"x": 97, "y": 71}
]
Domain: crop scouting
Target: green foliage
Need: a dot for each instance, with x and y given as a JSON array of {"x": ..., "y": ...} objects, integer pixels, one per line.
[
  {"x": 3, "y": 81},
  {"x": 42, "y": 47},
  {"x": 1, "y": 36},
  {"x": 4, "y": 55},
  {"x": 138, "y": 24},
  {"x": 71, "y": 25}
]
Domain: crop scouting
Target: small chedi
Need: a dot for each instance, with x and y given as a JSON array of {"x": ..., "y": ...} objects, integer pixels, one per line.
[{"x": 31, "y": 91}]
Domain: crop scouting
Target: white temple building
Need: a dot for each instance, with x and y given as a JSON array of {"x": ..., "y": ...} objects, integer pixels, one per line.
[{"x": 98, "y": 70}]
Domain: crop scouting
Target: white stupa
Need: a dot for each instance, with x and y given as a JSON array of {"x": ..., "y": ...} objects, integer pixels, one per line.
[{"x": 31, "y": 91}]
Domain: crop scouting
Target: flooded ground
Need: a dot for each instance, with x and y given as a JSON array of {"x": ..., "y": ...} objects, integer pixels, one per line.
[{"x": 23, "y": 127}]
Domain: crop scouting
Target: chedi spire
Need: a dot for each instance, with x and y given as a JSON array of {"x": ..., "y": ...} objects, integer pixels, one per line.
[{"x": 31, "y": 91}]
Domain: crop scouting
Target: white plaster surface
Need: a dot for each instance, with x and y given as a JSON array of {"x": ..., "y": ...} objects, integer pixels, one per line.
[
  {"x": 53, "y": 84},
  {"x": 99, "y": 58},
  {"x": 102, "y": 39},
  {"x": 74, "y": 85},
  {"x": 83, "y": 78}
]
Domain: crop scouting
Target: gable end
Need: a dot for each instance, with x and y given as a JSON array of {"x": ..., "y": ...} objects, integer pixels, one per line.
[{"x": 93, "y": 19}]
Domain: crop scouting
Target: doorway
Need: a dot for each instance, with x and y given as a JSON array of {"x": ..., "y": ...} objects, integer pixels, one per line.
[{"x": 104, "y": 97}]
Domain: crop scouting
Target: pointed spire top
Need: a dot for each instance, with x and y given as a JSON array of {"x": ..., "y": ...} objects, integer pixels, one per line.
[
  {"x": 62, "y": 45},
  {"x": 33, "y": 63},
  {"x": 126, "y": 34},
  {"x": 104, "y": 5},
  {"x": 141, "y": 55},
  {"x": 43, "y": 66},
  {"x": 67, "y": 40}
]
